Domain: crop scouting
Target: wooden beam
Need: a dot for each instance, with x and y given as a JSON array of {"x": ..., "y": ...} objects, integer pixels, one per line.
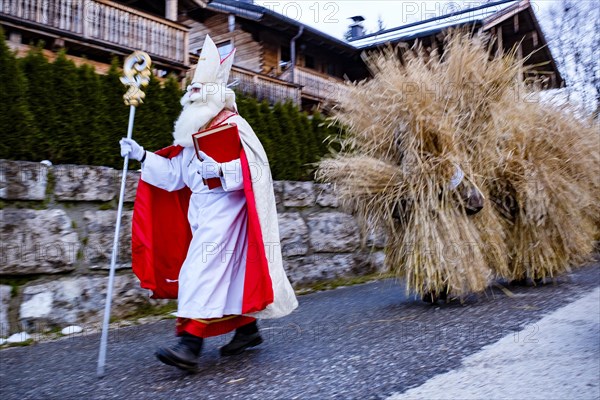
[
  {"x": 97, "y": 44},
  {"x": 171, "y": 10},
  {"x": 516, "y": 22},
  {"x": 500, "y": 41},
  {"x": 497, "y": 19},
  {"x": 58, "y": 43},
  {"x": 142, "y": 14},
  {"x": 533, "y": 36},
  {"x": 186, "y": 51}
]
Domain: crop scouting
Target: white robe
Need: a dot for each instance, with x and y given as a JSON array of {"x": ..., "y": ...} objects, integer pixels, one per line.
[{"x": 211, "y": 280}]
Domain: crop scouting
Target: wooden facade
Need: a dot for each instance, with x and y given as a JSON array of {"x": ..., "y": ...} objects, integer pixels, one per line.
[
  {"x": 97, "y": 30},
  {"x": 264, "y": 45},
  {"x": 316, "y": 86},
  {"x": 263, "y": 42},
  {"x": 249, "y": 52},
  {"x": 519, "y": 29},
  {"x": 264, "y": 87}
]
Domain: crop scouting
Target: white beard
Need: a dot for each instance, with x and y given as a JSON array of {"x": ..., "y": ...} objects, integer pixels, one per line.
[{"x": 194, "y": 117}]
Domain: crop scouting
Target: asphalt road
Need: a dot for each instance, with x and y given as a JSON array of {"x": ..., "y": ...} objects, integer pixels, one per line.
[{"x": 366, "y": 341}]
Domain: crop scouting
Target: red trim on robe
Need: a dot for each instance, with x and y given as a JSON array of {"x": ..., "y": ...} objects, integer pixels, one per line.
[
  {"x": 212, "y": 327},
  {"x": 160, "y": 239},
  {"x": 161, "y": 236},
  {"x": 258, "y": 288}
]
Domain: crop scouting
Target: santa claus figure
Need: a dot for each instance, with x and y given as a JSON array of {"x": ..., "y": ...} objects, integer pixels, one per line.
[{"x": 216, "y": 250}]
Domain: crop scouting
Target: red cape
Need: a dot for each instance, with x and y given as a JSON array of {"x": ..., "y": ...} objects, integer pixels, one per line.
[{"x": 161, "y": 236}]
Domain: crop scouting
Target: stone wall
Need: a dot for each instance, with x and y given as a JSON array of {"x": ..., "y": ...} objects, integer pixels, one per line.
[{"x": 56, "y": 232}]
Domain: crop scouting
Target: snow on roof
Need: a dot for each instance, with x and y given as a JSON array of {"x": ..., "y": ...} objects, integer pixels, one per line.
[{"x": 470, "y": 16}]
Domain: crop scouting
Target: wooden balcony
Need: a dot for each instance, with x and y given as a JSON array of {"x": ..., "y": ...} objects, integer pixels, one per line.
[
  {"x": 264, "y": 87},
  {"x": 100, "y": 24},
  {"x": 317, "y": 86}
]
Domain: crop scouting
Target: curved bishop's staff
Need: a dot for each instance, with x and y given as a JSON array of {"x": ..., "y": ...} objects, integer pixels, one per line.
[{"x": 136, "y": 75}]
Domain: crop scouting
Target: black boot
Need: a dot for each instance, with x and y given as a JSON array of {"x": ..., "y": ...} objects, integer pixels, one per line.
[
  {"x": 184, "y": 355},
  {"x": 433, "y": 297},
  {"x": 245, "y": 336}
]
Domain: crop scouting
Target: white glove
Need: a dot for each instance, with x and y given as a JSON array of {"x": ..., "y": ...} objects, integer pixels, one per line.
[
  {"x": 457, "y": 178},
  {"x": 207, "y": 166},
  {"x": 129, "y": 147}
]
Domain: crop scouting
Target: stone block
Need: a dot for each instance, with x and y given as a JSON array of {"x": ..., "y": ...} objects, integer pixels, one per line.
[
  {"x": 36, "y": 242},
  {"x": 278, "y": 189},
  {"x": 79, "y": 300},
  {"x": 100, "y": 228},
  {"x": 23, "y": 180},
  {"x": 370, "y": 263},
  {"x": 376, "y": 237},
  {"x": 298, "y": 194},
  {"x": 318, "y": 267},
  {"x": 131, "y": 184},
  {"x": 293, "y": 234},
  {"x": 85, "y": 183},
  {"x": 326, "y": 196},
  {"x": 333, "y": 232}
]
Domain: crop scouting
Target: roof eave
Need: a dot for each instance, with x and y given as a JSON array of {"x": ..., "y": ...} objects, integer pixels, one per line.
[
  {"x": 266, "y": 16},
  {"x": 434, "y": 31}
]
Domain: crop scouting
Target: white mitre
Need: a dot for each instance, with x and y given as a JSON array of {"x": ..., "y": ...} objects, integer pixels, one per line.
[
  {"x": 210, "y": 67},
  {"x": 207, "y": 95}
]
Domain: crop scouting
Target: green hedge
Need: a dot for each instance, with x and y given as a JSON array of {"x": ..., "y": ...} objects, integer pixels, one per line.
[{"x": 71, "y": 115}]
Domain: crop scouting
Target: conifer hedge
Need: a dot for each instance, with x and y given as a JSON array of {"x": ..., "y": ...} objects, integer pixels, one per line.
[{"x": 71, "y": 115}]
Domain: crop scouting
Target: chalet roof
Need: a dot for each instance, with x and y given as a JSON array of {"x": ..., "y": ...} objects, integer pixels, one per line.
[
  {"x": 487, "y": 16},
  {"x": 281, "y": 23},
  {"x": 475, "y": 16}
]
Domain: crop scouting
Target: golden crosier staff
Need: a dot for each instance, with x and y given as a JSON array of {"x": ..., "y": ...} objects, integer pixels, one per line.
[{"x": 136, "y": 75}]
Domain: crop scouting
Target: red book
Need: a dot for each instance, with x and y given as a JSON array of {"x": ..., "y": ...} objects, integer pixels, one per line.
[{"x": 221, "y": 143}]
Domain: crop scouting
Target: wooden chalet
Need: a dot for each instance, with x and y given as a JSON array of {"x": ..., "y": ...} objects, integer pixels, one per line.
[
  {"x": 277, "y": 58},
  {"x": 511, "y": 24}
]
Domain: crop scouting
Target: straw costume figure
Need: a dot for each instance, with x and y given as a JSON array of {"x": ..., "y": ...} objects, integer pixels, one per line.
[
  {"x": 422, "y": 115},
  {"x": 216, "y": 250}
]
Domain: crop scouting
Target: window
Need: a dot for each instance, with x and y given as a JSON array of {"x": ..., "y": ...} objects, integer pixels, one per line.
[
  {"x": 309, "y": 61},
  {"x": 330, "y": 69},
  {"x": 285, "y": 54}
]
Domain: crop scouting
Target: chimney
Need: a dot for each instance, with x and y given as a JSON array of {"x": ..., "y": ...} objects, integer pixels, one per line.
[{"x": 357, "y": 30}]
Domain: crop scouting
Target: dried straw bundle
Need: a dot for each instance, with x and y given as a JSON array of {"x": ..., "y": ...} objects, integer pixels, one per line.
[
  {"x": 415, "y": 120},
  {"x": 546, "y": 187}
]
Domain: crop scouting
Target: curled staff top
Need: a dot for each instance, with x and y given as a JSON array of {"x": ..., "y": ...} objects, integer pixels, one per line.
[{"x": 136, "y": 74}]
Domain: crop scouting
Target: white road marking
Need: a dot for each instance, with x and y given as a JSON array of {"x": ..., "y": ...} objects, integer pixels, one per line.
[{"x": 558, "y": 357}]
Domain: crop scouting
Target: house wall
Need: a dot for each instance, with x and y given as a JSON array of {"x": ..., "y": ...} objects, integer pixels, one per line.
[
  {"x": 272, "y": 44},
  {"x": 261, "y": 52},
  {"x": 249, "y": 53}
]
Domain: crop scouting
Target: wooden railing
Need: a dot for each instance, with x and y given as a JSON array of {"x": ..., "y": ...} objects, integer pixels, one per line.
[
  {"x": 264, "y": 87},
  {"x": 104, "y": 21},
  {"x": 314, "y": 84}
]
